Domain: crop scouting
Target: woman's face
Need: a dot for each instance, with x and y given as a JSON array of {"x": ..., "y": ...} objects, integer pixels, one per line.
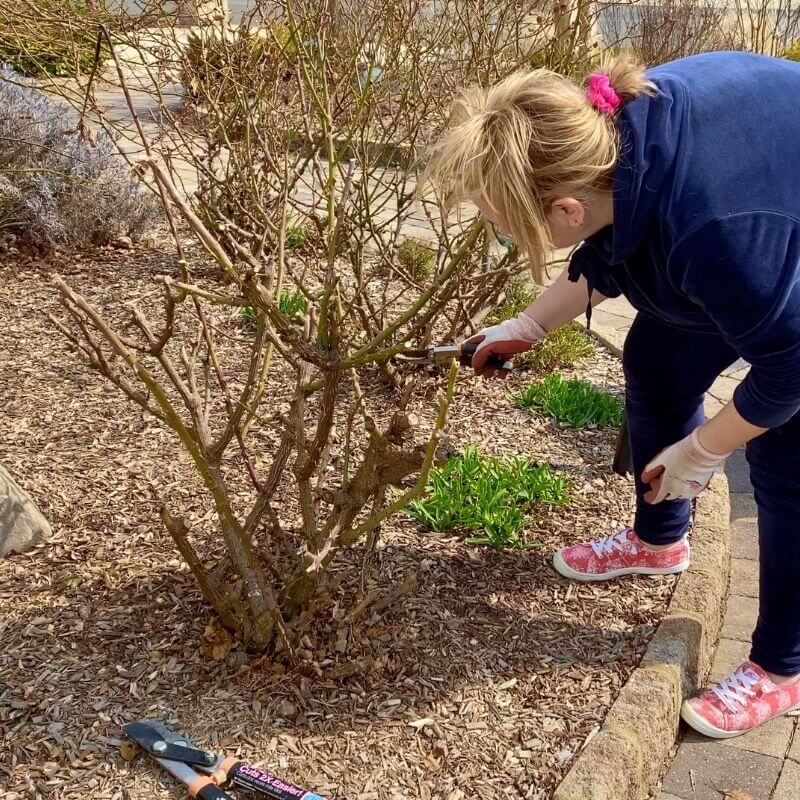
[{"x": 569, "y": 222}]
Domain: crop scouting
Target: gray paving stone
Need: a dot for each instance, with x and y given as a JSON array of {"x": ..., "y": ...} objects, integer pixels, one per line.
[
  {"x": 619, "y": 306},
  {"x": 724, "y": 388},
  {"x": 744, "y": 538},
  {"x": 788, "y": 787},
  {"x": 744, "y": 577},
  {"x": 730, "y": 653},
  {"x": 707, "y": 770},
  {"x": 743, "y": 506},
  {"x": 737, "y": 369},
  {"x": 770, "y": 739},
  {"x": 740, "y": 618},
  {"x": 665, "y": 796},
  {"x": 794, "y": 750},
  {"x": 738, "y": 472},
  {"x": 609, "y": 320}
]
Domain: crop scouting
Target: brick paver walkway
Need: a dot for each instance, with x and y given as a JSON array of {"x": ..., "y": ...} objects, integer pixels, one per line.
[{"x": 764, "y": 764}]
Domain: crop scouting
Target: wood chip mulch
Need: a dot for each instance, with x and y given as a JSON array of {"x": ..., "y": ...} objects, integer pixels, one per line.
[{"x": 484, "y": 681}]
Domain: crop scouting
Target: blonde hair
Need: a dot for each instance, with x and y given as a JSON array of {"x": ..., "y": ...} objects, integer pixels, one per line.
[{"x": 528, "y": 140}]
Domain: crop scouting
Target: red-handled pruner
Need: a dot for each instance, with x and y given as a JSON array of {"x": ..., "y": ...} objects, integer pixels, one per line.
[
  {"x": 445, "y": 352},
  {"x": 182, "y": 759}
]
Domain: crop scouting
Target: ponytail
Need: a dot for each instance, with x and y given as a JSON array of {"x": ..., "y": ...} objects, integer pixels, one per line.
[
  {"x": 627, "y": 77},
  {"x": 530, "y": 139}
]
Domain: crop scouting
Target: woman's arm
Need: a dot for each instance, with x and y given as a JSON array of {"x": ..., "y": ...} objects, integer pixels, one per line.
[
  {"x": 727, "y": 430},
  {"x": 562, "y": 302},
  {"x": 684, "y": 468}
]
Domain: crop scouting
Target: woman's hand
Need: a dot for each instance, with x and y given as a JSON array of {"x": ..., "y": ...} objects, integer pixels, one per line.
[
  {"x": 505, "y": 340},
  {"x": 681, "y": 471}
]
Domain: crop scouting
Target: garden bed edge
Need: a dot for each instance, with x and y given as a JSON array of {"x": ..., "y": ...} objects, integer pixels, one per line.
[{"x": 628, "y": 756}]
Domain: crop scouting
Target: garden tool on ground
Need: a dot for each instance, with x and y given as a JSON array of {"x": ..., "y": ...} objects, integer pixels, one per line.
[
  {"x": 445, "y": 352},
  {"x": 182, "y": 759}
]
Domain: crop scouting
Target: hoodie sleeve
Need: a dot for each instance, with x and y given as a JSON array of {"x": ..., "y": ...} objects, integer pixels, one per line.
[
  {"x": 586, "y": 262},
  {"x": 744, "y": 271}
]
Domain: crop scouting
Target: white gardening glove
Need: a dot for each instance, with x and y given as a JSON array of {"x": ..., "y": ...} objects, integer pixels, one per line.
[
  {"x": 505, "y": 340},
  {"x": 681, "y": 471}
]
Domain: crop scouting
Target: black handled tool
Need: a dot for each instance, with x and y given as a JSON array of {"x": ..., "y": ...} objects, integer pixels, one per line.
[
  {"x": 445, "y": 352},
  {"x": 175, "y": 753}
]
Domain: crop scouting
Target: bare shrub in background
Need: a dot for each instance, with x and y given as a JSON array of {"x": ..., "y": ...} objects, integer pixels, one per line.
[
  {"x": 61, "y": 43},
  {"x": 667, "y": 30},
  {"x": 664, "y": 31},
  {"x": 764, "y": 26}
]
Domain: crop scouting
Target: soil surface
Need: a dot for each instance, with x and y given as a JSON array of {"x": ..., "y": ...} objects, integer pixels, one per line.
[{"x": 482, "y": 681}]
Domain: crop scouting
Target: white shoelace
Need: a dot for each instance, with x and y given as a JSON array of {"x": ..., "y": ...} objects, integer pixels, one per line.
[
  {"x": 606, "y": 546},
  {"x": 735, "y": 689}
]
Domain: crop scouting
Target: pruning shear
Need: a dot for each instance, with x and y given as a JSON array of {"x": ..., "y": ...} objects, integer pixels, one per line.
[
  {"x": 182, "y": 759},
  {"x": 445, "y": 352}
]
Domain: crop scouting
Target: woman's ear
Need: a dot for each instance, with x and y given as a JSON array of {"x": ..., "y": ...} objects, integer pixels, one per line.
[{"x": 567, "y": 213}]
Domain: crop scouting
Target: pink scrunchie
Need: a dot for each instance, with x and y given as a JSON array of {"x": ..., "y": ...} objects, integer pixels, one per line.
[{"x": 600, "y": 93}]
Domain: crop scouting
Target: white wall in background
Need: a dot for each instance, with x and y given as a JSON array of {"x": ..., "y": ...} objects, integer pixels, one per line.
[{"x": 135, "y": 6}]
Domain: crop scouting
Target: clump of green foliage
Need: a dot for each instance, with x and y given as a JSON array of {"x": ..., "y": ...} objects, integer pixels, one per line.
[
  {"x": 61, "y": 43},
  {"x": 297, "y": 237},
  {"x": 519, "y": 294},
  {"x": 574, "y": 403},
  {"x": 417, "y": 258},
  {"x": 492, "y": 496},
  {"x": 293, "y": 304},
  {"x": 561, "y": 348},
  {"x": 792, "y": 52}
]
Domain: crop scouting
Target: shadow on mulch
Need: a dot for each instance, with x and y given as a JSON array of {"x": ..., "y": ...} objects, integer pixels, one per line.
[{"x": 482, "y": 681}]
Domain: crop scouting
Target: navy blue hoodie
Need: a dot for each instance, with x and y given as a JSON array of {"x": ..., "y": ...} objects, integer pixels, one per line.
[{"x": 706, "y": 232}]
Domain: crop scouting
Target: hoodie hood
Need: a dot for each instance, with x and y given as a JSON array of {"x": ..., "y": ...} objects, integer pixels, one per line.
[{"x": 649, "y": 135}]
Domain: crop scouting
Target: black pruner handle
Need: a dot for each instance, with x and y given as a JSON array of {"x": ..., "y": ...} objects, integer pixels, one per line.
[
  {"x": 498, "y": 362},
  {"x": 266, "y": 784},
  {"x": 212, "y": 792}
]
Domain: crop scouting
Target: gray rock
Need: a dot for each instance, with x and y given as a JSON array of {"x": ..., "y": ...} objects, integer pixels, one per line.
[{"x": 22, "y": 525}]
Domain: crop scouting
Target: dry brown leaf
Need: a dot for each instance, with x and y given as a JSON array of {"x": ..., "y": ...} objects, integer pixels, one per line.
[
  {"x": 129, "y": 750},
  {"x": 737, "y": 794},
  {"x": 216, "y": 642}
]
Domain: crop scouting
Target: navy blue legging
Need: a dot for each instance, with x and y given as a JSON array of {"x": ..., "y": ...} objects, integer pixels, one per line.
[{"x": 667, "y": 372}]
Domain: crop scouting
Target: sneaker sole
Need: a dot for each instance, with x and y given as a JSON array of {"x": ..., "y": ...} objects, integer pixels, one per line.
[
  {"x": 564, "y": 569},
  {"x": 695, "y": 721}
]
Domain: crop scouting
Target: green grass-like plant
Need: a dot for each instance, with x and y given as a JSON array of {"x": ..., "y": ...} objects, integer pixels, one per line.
[
  {"x": 417, "y": 258},
  {"x": 293, "y": 304},
  {"x": 493, "y": 496},
  {"x": 575, "y": 403},
  {"x": 249, "y": 317}
]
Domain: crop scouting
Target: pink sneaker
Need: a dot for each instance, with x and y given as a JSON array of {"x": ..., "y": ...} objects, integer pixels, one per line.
[
  {"x": 624, "y": 553},
  {"x": 739, "y": 703}
]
